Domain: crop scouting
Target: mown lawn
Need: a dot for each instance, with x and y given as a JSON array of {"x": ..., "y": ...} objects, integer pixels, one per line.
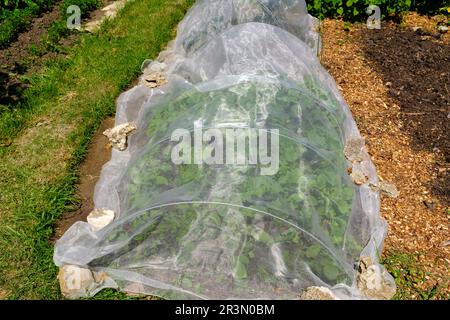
[{"x": 43, "y": 141}]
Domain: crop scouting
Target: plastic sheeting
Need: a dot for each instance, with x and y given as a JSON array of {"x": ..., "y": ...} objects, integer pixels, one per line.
[
  {"x": 208, "y": 18},
  {"x": 247, "y": 223}
]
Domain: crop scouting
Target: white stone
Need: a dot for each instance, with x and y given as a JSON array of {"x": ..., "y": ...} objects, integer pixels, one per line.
[
  {"x": 373, "y": 277},
  {"x": 318, "y": 293},
  {"x": 109, "y": 12},
  {"x": 373, "y": 281},
  {"x": 443, "y": 29},
  {"x": 358, "y": 177},
  {"x": 389, "y": 189},
  {"x": 386, "y": 188},
  {"x": 154, "y": 79},
  {"x": 100, "y": 218},
  {"x": 353, "y": 150},
  {"x": 75, "y": 282},
  {"x": 118, "y": 135}
]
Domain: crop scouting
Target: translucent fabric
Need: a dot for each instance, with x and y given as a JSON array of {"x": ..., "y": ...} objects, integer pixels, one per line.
[
  {"x": 208, "y": 18},
  {"x": 260, "y": 217},
  {"x": 261, "y": 50}
]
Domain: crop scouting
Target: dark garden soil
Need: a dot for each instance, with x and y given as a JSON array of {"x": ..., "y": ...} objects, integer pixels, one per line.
[
  {"x": 18, "y": 49},
  {"x": 27, "y": 54},
  {"x": 12, "y": 58},
  {"x": 417, "y": 67},
  {"x": 396, "y": 81}
]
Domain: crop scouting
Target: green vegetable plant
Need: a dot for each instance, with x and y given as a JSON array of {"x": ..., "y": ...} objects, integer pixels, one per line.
[
  {"x": 16, "y": 16},
  {"x": 232, "y": 218},
  {"x": 355, "y": 10}
]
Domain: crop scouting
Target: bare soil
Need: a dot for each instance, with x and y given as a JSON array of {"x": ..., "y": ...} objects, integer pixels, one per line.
[
  {"x": 418, "y": 69},
  {"x": 99, "y": 153},
  {"x": 396, "y": 83},
  {"x": 12, "y": 57},
  {"x": 18, "y": 58}
]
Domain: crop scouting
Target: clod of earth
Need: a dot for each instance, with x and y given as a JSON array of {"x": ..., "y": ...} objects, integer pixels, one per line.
[
  {"x": 354, "y": 150},
  {"x": 318, "y": 293},
  {"x": 118, "y": 135},
  {"x": 389, "y": 189},
  {"x": 386, "y": 188},
  {"x": 373, "y": 281},
  {"x": 154, "y": 71},
  {"x": 92, "y": 26},
  {"x": 154, "y": 79},
  {"x": 75, "y": 282},
  {"x": 358, "y": 177},
  {"x": 100, "y": 218},
  {"x": 443, "y": 29}
]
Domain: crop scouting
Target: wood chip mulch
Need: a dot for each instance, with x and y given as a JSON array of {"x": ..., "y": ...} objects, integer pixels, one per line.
[{"x": 396, "y": 81}]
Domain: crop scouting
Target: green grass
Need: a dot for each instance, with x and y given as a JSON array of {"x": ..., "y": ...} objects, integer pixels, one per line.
[
  {"x": 59, "y": 29},
  {"x": 49, "y": 133},
  {"x": 15, "y": 19}
]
